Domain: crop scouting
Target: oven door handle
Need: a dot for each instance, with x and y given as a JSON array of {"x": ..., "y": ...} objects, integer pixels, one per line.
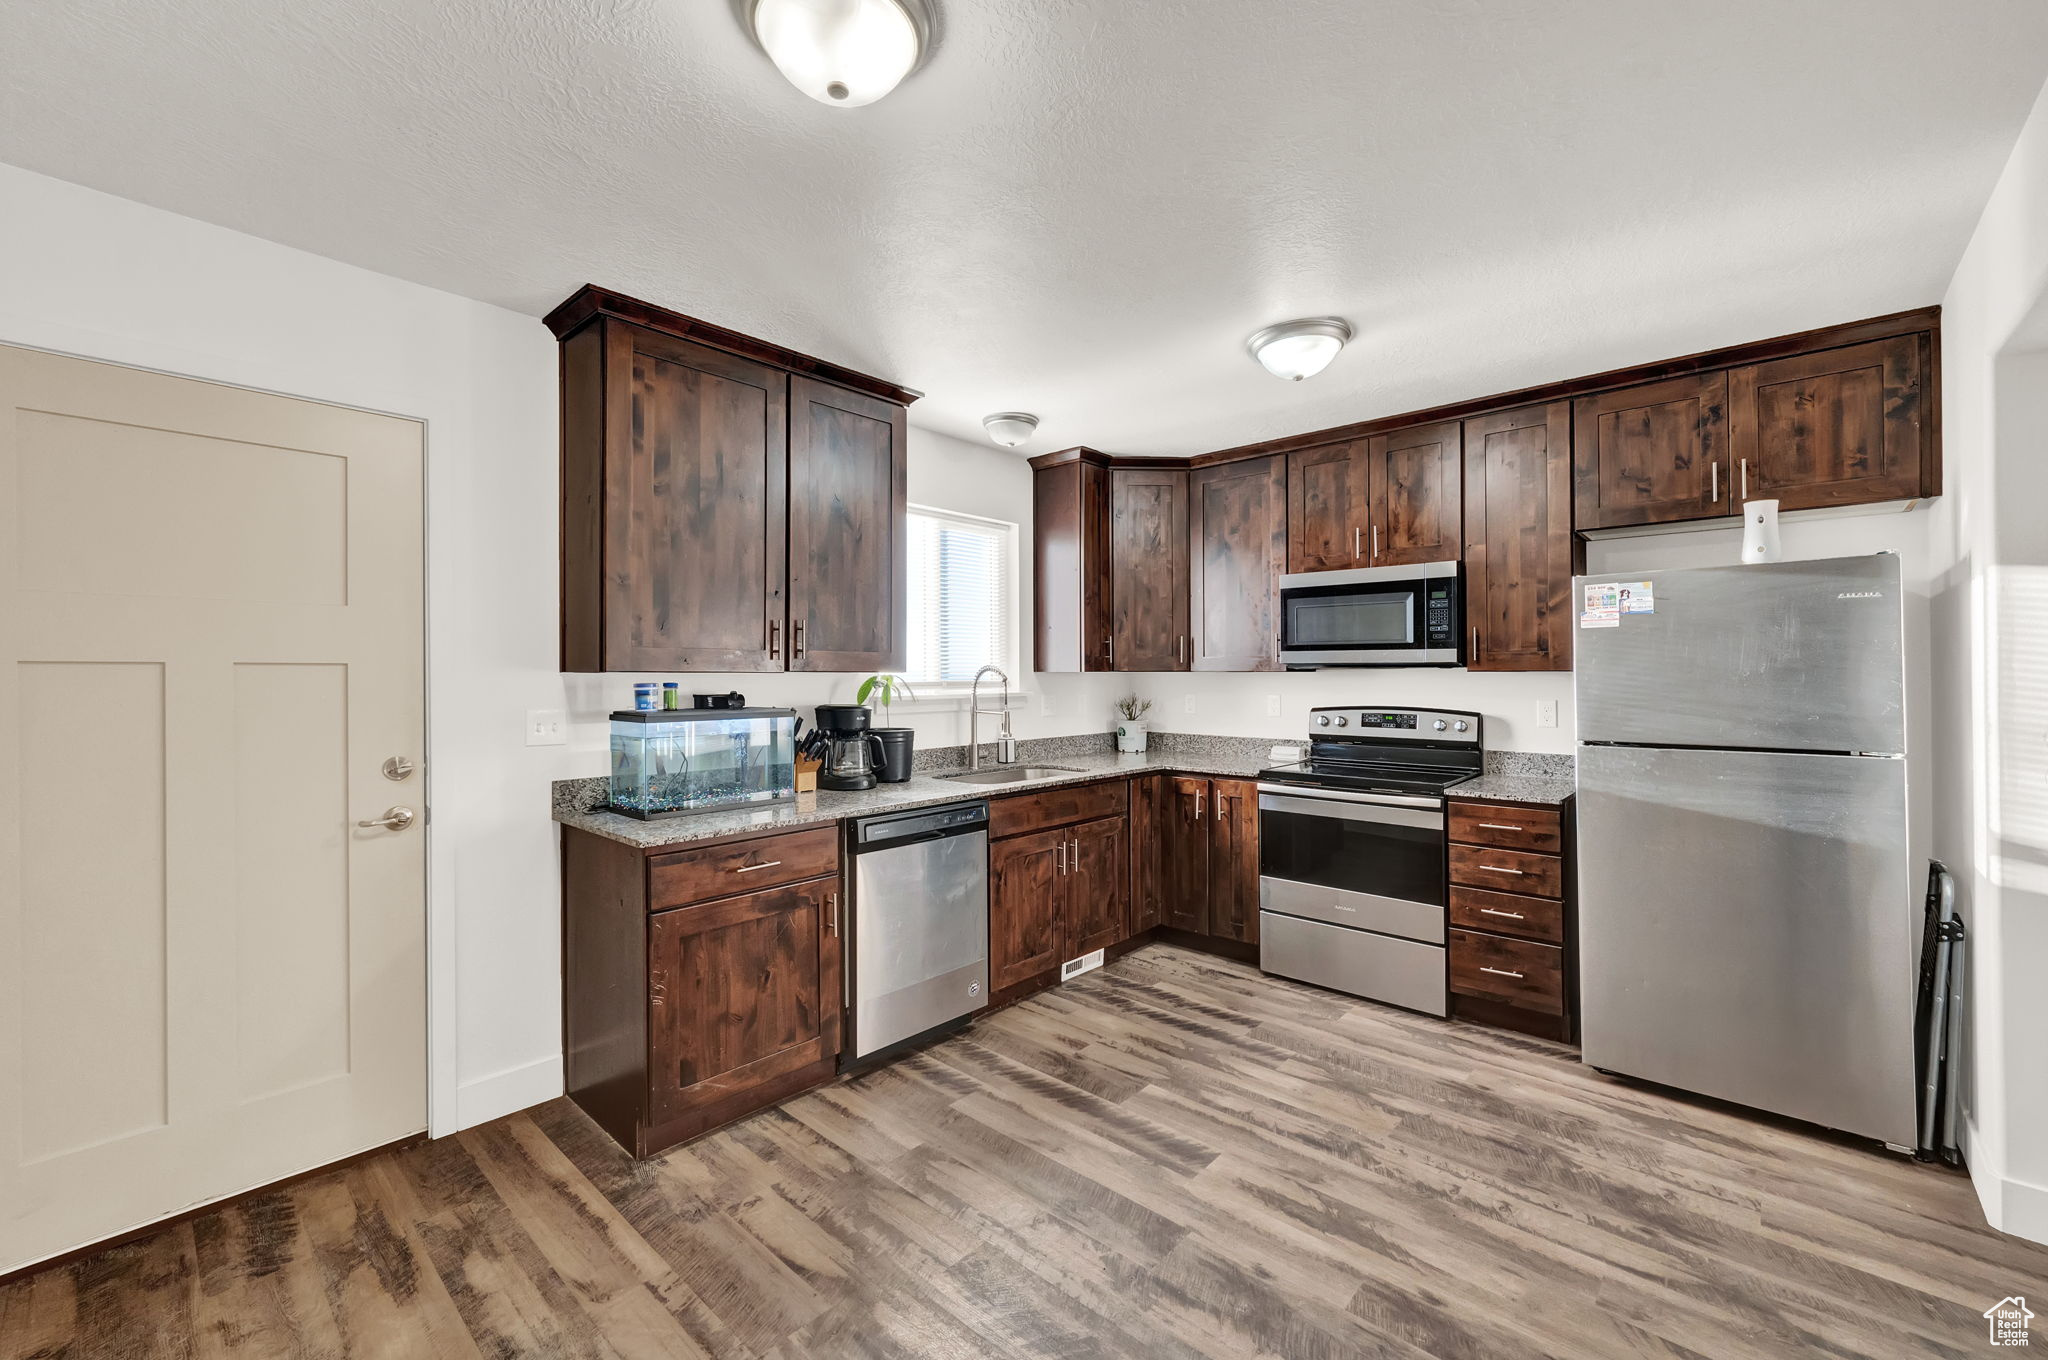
[{"x": 1386, "y": 809}]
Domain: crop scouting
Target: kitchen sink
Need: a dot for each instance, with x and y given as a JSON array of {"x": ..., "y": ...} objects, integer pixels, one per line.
[{"x": 1007, "y": 774}]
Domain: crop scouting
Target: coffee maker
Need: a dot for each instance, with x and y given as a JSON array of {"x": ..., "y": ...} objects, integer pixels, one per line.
[{"x": 852, "y": 752}]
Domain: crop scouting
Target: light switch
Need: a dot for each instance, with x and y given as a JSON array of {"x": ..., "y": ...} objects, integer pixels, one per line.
[
  {"x": 547, "y": 727},
  {"x": 1546, "y": 713}
]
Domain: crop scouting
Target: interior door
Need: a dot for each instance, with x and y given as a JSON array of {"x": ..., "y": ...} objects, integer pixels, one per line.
[
  {"x": 210, "y": 642},
  {"x": 1234, "y": 861},
  {"x": 1329, "y": 491},
  {"x": 1026, "y": 926},
  {"x": 1098, "y": 898},
  {"x": 1185, "y": 855},
  {"x": 1149, "y": 569},
  {"x": 849, "y": 561},
  {"x": 741, "y": 991},
  {"x": 1416, "y": 507}
]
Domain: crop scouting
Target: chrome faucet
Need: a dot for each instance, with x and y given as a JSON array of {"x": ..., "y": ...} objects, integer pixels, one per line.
[{"x": 1006, "y": 748}]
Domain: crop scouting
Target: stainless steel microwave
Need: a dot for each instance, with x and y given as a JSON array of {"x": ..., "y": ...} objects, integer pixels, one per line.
[{"x": 1373, "y": 616}]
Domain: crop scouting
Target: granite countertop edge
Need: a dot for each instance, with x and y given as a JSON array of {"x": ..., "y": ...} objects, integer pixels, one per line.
[{"x": 929, "y": 790}]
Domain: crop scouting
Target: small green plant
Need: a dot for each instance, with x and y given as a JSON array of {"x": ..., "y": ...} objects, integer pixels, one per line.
[
  {"x": 1131, "y": 707},
  {"x": 884, "y": 690}
]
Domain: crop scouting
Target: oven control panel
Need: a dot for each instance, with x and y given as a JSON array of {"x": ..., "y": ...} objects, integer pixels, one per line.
[{"x": 1401, "y": 724}]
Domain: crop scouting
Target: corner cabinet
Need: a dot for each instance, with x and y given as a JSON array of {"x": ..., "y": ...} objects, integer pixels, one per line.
[
  {"x": 727, "y": 505},
  {"x": 1059, "y": 866},
  {"x": 1207, "y": 858}
]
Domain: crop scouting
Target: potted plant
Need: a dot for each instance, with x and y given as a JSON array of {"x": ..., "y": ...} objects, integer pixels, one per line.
[
  {"x": 1130, "y": 723},
  {"x": 884, "y": 690}
]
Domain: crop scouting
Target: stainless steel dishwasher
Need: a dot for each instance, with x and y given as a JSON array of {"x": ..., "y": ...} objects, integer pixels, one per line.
[{"x": 918, "y": 958}]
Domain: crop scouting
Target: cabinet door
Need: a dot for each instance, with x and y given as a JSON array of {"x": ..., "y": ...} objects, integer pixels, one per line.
[
  {"x": 1237, "y": 551},
  {"x": 740, "y": 992},
  {"x": 694, "y": 500},
  {"x": 1027, "y": 931},
  {"x": 1652, "y": 453},
  {"x": 1148, "y": 551},
  {"x": 1184, "y": 855},
  {"x": 1234, "y": 861},
  {"x": 1519, "y": 550},
  {"x": 1097, "y": 885},
  {"x": 1841, "y": 427},
  {"x": 1070, "y": 532},
  {"x": 1329, "y": 491},
  {"x": 848, "y": 561},
  {"x": 1151, "y": 807},
  {"x": 1416, "y": 507}
]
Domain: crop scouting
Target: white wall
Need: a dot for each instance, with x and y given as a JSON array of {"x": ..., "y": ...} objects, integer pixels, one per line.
[{"x": 1991, "y": 633}]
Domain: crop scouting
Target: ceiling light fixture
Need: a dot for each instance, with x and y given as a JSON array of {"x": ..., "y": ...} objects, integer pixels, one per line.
[
  {"x": 1299, "y": 349},
  {"x": 1010, "y": 428},
  {"x": 842, "y": 52}
]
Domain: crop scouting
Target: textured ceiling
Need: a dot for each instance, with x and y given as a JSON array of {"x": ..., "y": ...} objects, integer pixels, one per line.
[{"x": 1081, "y": 209}]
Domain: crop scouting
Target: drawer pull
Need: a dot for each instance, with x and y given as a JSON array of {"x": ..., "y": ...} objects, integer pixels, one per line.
[
  {"x": 749, "y": 868},
  {"x": 1495, "y": 911},
  {"x": 1499, "y": 972},
  {"x": 1499, "y": 826},
  {"x": 1496, "y": 869}
]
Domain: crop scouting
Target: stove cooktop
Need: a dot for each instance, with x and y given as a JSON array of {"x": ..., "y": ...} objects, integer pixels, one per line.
[
  {"x": 1364, "y": 777},
  {"x": 1417, "y": 752}
]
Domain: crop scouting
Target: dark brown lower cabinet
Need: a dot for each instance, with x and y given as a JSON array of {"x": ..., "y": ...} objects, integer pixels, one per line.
[
  {"x": 1209, "y": 858},
  {"x": 1096, "y": 890},
  {"x": 1513, "y": 950},
  {"x": 1059, "y": 882},
  {"x": 1027, "y": 930},
  {"x": 1151, "y": 805},
  {"x": 694, "y": 991}
]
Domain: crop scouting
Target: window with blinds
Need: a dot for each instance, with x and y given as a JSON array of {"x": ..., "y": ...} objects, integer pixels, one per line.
[{"x": 962, "y": 597}]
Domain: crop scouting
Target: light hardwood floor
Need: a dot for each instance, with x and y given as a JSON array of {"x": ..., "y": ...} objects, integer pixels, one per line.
[{"x": 1172, "y": 1157}]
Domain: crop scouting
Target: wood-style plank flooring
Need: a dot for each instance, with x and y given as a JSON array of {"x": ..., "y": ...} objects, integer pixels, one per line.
[{"x": 1172, "y": 1157}]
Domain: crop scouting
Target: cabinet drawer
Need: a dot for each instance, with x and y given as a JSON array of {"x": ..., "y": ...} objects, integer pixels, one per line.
[
  {"x": 1510, "y": 828},
  {"x": 1517, "y": 972},
  {"x": 741, "y": 866},
  {"x": 1026, "y": 812},
  {"x": 1532, "y": 918},
  {"x": 1517, "y": 871}
]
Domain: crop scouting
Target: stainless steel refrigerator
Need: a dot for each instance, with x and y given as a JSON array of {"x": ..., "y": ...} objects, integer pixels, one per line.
[{"x": 1747, "y": 892}]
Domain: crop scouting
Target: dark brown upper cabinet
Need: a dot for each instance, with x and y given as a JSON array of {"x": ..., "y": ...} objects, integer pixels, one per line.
[
  {"x": 1415, "y": 490},
  {"x": 1520, "y": 552},
  {"x": 1329, "y": 502},
  {"x": 1652, "y": 453},
  {"x": 1840, "y": 427},
  {"x": 687, "y": 543},
  {"x": 1148, "y": 573},
  {"x": 1070, "y": 562},
  {"x": 849, "y": 588},
  {"x": 1237, "y": 552}
]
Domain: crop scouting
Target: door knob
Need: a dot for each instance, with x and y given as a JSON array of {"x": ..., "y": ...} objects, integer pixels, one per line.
[{"x": 394, "y": 819}]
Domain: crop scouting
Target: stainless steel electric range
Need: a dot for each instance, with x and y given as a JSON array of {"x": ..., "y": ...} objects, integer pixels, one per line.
[{"x": 1353, "y": 872}]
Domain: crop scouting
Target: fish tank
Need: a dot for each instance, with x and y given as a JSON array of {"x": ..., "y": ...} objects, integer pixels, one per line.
[{"x": 667, "y": 762}]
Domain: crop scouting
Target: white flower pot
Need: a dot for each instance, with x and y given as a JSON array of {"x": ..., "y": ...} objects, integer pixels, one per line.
[{"x": 1130, "y": 735}]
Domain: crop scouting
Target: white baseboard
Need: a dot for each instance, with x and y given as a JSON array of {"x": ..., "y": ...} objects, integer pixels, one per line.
[
  {"x": 2016, "y": 1207},
  {"x": 507, "y": 1092}
]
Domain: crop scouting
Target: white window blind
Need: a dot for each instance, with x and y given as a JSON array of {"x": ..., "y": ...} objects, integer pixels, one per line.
[{"x": 962, "y": 597}]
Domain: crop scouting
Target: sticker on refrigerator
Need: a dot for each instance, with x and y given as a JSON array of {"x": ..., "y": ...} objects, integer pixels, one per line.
[
  {"x": 1602, "y": 608},
  {"x": 1637, "y": 598}
]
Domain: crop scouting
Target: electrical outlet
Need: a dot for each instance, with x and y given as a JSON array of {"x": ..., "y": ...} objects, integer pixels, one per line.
[
  {"x": 1272, "y": 705},
  {"x": 547, "y": 727},
  {"x": 1546, "y": 713},
  {"x": 1187, "y": 705}
]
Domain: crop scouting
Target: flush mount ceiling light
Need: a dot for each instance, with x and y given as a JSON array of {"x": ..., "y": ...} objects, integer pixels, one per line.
[
  {"x": 1299, "y": 349},
  {"x": 842, "y": 52},
  {"x": 1010, "y": 428}
]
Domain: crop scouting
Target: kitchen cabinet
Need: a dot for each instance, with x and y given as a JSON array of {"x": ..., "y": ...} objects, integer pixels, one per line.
[
  {"x": 1416, "y": 481},
  {"x": 1097, "y": 886},
  {"x": 1059, "y": 881},
  {"x": 1652, "y": 453},
  {"x": 1329, "y": 506},
  {"x": 1209, "y": 858},
  {"x": 1070, "y": 562},
  {"x": 1237, "y": 552},
  {"x": 1520, "y": 552},
  {"x": 1148, "y": 551},
  {"x": 1841, "y": 427},
  {"x": 699, "y": 984},
  {"x": 1026, "y": 907},
  {"x": 1512, "y": 946},
  {"x": 726, "y": 505},
  {"x": 1152, "y": 804}
]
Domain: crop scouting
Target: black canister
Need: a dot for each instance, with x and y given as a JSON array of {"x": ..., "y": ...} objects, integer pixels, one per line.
[{"x": 898, "y": 746}]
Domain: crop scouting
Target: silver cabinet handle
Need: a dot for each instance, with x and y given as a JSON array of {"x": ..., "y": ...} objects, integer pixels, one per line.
[
  {"x": 1496, "y": 869},
  {"x": 832, "y": 908},
  {"x": 1183, "y": 649},
  {"x": 1357, "y": 535},
  {"x": 750, "y": 868},
  {"x": 1499, "y": 826},
  {"x": 394, "y": 819},
  {"x": 1473, "y": 655},
  {"x": 1060, "y": 860},
  {"x": 1714, "y": 483},
  {"x": 1745, "y": 479},
  {"x": 1198, "y": 805},
  {"x": 1375, "y": 542},
  {"x": 1493, "y": 911},
  {"x": 1498, "y": 972},
  {"x": 796, "y": 639},
  {"x": 1074, "y": 855},
  {"x": 775, "y": 639}
]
